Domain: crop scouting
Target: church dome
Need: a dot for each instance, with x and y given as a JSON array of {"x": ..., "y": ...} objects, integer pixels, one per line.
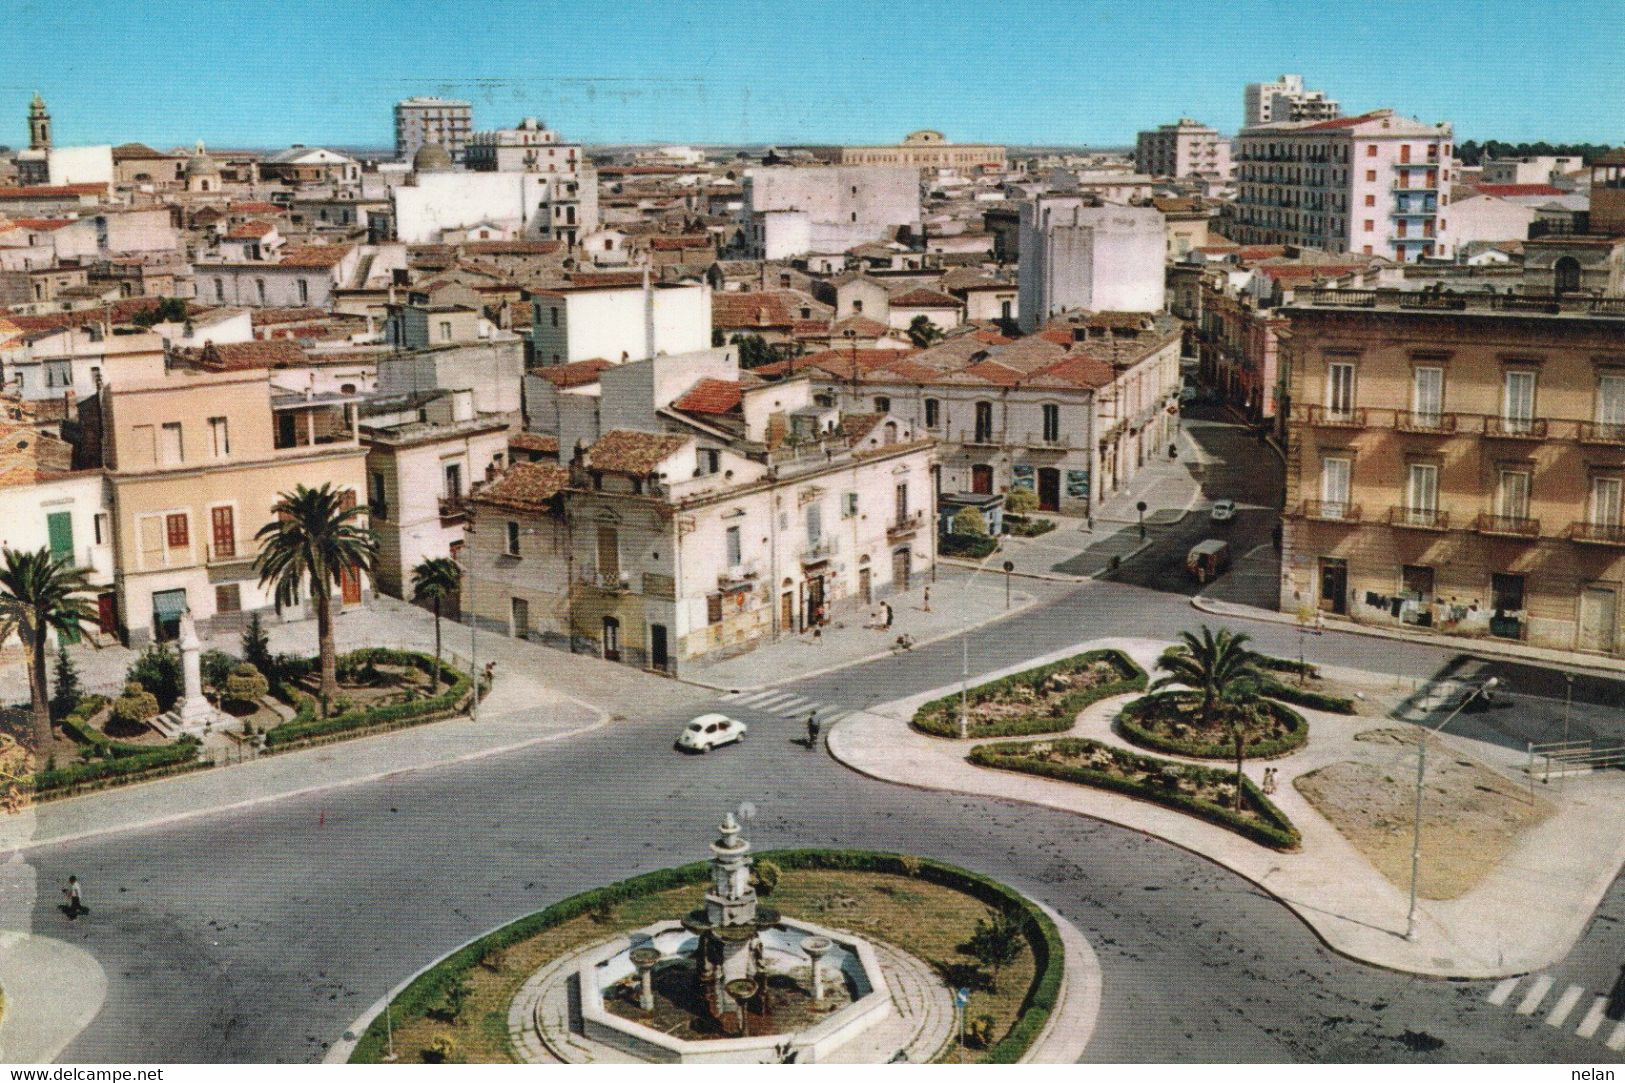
[
  {"x": 200, "y": 164},
  {"x": 431, "y": 158}
]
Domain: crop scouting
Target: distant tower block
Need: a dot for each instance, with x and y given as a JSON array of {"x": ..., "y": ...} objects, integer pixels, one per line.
[{"x": 39, "y": 124}]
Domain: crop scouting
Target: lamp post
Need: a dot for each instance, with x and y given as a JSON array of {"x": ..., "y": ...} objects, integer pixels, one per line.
[
  {"x": 1421, "y": 767},
  {"x": 1009, "y": 566},
  {"x": 1139, "y": 506}
]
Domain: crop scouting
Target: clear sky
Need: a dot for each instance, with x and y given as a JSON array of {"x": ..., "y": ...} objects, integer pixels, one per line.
[{"x": 1014, "y": 71}]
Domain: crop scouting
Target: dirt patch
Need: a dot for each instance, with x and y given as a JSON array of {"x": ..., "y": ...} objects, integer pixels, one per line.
[{"x": 1471, "y": 816}]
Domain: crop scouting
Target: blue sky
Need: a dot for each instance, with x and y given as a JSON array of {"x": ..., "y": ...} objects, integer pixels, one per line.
[{"x": 1016, "y": 71}]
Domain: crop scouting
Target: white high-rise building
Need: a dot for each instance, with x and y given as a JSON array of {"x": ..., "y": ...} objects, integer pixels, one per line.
[
  {"x": 1376, "y": 184},
  {"x": 1080, "y": 254},
  {"x": 444, "y": 121},
  {"x": 1285, "y": 99},
  {"x": 1183, "y": 149}
]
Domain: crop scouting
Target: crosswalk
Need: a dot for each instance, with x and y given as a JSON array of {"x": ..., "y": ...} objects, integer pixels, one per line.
[
  {"x": 785, "y": 705},
  {"x": 1593, "y": 1022}
]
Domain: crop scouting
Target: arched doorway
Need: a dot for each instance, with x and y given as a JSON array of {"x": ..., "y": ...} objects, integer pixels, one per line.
[
  {"x": 1566, "y": 276},
  {"x": 612, "y": 640}
]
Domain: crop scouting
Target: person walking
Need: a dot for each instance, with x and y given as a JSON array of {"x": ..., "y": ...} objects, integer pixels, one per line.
[
  {"x": 1269, "y": 780},
  {"x": 76, "y": 903},
  {"x": 886, "y": 614},
  {"x": 813, "y": 727}
]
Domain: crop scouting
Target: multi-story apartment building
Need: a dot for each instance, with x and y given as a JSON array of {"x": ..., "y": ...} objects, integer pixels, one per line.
[
  {"x": 1457, "y": 462},
  {"x": 1182, "y": 149},
  {"x": 1079, "y": 253},
  {"x": 795, "y": 210},
  {"x": 194, "y": 462},
  {"x": 924, "y": 149},
  {"x": 1376, "y": 184},
  {"x": 528, "y": 147},
  {"x": 443, "y": 121},
  {"x": 1285, "y": 99},
  {"x": 619, "y": 321}
]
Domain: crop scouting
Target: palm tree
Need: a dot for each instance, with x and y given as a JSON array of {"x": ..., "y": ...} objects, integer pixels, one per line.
[
  {"x": 435, "y": 582},
  {"x": 923, "y": 333},
  {"x": 1219, "y": 666},
  {"x": 315, "y": 539},
  {"x": 38, "y": 594}
]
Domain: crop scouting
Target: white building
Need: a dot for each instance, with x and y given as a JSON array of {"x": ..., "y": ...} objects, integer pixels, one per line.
[
  {"x": 80, "y": 165},
  {"x": 1489, "y": 218},
  {"x": 528, "y": 147},
  {"x": 792, "y": 211},
  {"x": 1099, "y": 257},
  {"x": 619, "y": 323},
  {"x": 1376, "y": 184},
  {"x": 1531, "y": 169},
  {"x": 1284, "y": 100},
  {"x": 297, "y": 276},
  {"x": 1182, "y": 149},
  {"x": 48, "y": 364},
  {"x": 443, "y": 121},
  {"x": 559, "y": 207}
]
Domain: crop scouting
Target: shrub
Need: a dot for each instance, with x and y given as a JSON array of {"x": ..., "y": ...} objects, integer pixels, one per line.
[
  {"x": 1023, "y": 527},
  {"x": 1288, "y": 733},
  {"x": 215, "y": 667},
  {"x": 135, "y": 706},
  {"x": 246, "y": 684},
  {"x": 1306, "y": 697},
  {"x": 67, "y": 692},
  {"x": 966, "y": 545},
  {"x": 306, "y": 726},
  {"x": 441, "y": 1049},
  {"x": 767, "y": 877},
  {"x": 158, "y": 670},
  {"x": 165, "y": 758},
  {"x": 968, "y": 521},
  {"x": 979, "y": 1031},
  {"x": 1021, "y": 501},
  {"x": 940, "y": 717},
  {"x": 257, "y": 646}
]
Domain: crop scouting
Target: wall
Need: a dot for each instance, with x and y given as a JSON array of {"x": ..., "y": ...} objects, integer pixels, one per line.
[
  {"x": 81, "y": 165},
  {"x": 1107, "y": 258}
]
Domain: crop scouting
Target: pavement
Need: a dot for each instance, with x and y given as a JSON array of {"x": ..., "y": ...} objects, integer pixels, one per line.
[
  {"x": 1526, "y": 914},
  {"x": 53, "y": 989}
]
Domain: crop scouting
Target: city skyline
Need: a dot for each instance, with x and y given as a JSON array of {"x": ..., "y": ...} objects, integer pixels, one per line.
[{"x": 873, "y": 76}]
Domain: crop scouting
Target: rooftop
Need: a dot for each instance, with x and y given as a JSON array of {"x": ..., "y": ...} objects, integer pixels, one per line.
[{"x": 1418, "y": 301}]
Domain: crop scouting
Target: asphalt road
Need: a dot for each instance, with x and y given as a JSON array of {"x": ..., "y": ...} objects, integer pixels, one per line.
[{"x": 260, "y": 935}]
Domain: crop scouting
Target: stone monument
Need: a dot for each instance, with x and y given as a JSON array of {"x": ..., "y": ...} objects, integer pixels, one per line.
[{"x": 193, "y": 714}]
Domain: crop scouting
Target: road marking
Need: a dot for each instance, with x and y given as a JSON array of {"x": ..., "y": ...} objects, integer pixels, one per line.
[
  {"x": 750, "y": 698},
  {"x": 1616, "y": 1041},
  {"x": 1593, "y": 1019},
  {"x": 1565, "y": 1004},
  {"x": 1536, "y": 994},
  {"x": 773, "y": 699},
  {"x": 1498, "y": 995}
]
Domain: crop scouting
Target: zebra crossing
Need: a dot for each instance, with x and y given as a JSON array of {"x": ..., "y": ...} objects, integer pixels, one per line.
[
  {"x": 785, "y": 705},
  {"x": 1562, "y": 1012}
]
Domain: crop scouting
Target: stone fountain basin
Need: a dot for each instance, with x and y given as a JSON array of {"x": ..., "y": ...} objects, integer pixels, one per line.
[{"x": 853, "y": 957}]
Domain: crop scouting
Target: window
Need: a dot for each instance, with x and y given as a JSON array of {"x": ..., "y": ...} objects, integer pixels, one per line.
[
  {"x": 1404, "y": 152},
  {"x": 902, "y": 502},
  {"x": 171, "y": 446},
  {"x": 882, "y": 404},
  {"x": 1427, "y": 395},
  {"x": 933, "y": 413},
  {"x": 219, "y": 289},
  {"x": 1370, "y": 201},
  {"x": 1334, "y": 487},
  {"x": 259, "y": 289},
  {"x": 1605, "y": 501},
  {"x": 1340, "y": 389},
  {"x": 377, "y": 504},
  {"x": 857, "y": 305},
  {"x": 1512, "y": 494},
  {"x": 609, "y": 553},
  {"x": 1422, "y": 493},
  {"x": 849, "y": 505},
  {"x": 228, "y": 598},
  {"x": 1518, "y": 402},
  {"x": 1371, "y": 150},
  {"x": 708, "y": 460},
  {"x": 219, "y": 437},
  {"x": 98, "y": 523},
  {"x": 554, "y": 313},
  {"x": 1052, "y": 423},
  {"x": 1611, "y": 405},
  {"x": 223, "y": 530},
  {"x": 453, "y": 474},
  {"x": 984, "y": 422},
  {"x": 735, "y": 553},
  {"x": 512, "y": 538},
  {"x": 304, "y": 291},
  {"x": 445, "y": 330},
  {"x": 815, "y": 524},
  {"x": 175, "y": 532},
  {"x": 1371, "y": 176},
  {"x": 713, "y": 608},
  {"x": 1370, "y": 225}
]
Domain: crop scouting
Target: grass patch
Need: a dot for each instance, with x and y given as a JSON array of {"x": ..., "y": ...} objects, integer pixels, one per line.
[
  {"x": 1204, "y": 792},
  {"x": 1045, "y": 699},
  {"x": 924, "y": 907},
  {"x": 1171, "y": 722},
  {"x": 307, "y": 727},
  {"x": 1306, "y": 697}
]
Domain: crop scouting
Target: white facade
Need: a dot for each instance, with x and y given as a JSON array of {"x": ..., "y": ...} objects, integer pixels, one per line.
[
  {"x": 1182, "y": 150},
  {"x": 1487, "y": 218},
  {"x": 530, "y": 147},
  {"x": 789, "y": 211},
  {"x": 81, "y": 359},
  {"x": 80, "y": 165},
  {"x": 620, "y": 323},
  {"x": 1099, "y": 258},
  {"x": 551, "y": 207},
  {"x": 1286, "y": 99},
  {"x": 1534, "y": 169},
  {"x": 80, "y": 503}
]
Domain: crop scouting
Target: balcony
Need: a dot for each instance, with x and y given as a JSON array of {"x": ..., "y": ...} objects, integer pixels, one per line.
[
  {"x": 738, "y": 577},
  {"x": 1330, "y": 511},
  {"x": 1407, "y": 518},
  {"x": 1507, "y": 526},
  {"x": 1415, "y": 186},
  {"x": 1059, "y": 442},
  {"x": 982, "y": 437},
  {"x": 1425, "y": 423},
  {"x": 216, "y": 555},
  {"x": 1415, "y": 212},
  {"x": 906, "y": 527},
  {"x": 1598, "y": 533},
  {"x": 818, "y": 551},
  {"x": 1606, "y": 433},
  {"x": 1325, "y": 417},
  {"x": 1515, "y": 428},
  {"x": 453, "y": 508},
  {"x": 607, "y": 582}
]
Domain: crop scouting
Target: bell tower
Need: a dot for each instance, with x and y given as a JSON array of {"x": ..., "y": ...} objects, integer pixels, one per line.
[{"x": 39, "y": 124}]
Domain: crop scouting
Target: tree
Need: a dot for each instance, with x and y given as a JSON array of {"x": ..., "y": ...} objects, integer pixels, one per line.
[
  {"x": 65, "y": 696},
  {"x": 922, "y": 332},
  {"x": 37, "y": 595},
  {"x": 969, "y": 521},
  {"x": 313, "y": 544},
  {"x": 997, "y": 942},
  {"x": 256, "y": 645},
  {"x": 167, "y": 310},
  {"x": 158, "y": 670},
  {"x": 1021, "y": 501},
  {"x": 434, "y": 582},
  {"x": 215, "y": 667},
  {"x": 246, "y": 684},
  {"x": 135, "y": 706},
  {"x": 753, "y": 351},
  {"x": 1219, "y": 666}
]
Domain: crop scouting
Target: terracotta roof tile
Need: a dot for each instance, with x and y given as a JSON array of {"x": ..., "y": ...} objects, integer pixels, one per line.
[
  {"x": 710, "y": 397},
  {"x": 257, "y": 207},
  {"x": 314, "y": 255},
  {"x": 525, "y": 486},
  {"x": 679, "y": 244},
  {"x": 741, "y": 310},
  {"x": 573, "y": 374},
  {"x": 264, "y": 316},
  {"x": 53, "y": 191},
  {"x": 1502, "y": 191},
  {"x": 534, "y": 441},
  {"x": 259, "y": 354},
  {"x": 251, "y": 230},
  {"x": 625, "y": 451},
  {"x": 924, "y": 298}
]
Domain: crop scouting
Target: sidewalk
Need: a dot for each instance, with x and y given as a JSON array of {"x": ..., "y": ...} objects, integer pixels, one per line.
[
  {"x": 1524, "y": 915},
  {"x": 961, "y": 598}
]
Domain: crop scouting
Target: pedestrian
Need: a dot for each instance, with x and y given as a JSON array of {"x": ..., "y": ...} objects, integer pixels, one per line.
[
  {"x": 1269, "y": 780},
  {"x": 76, "y": 903},
  {"x": 813, "y": 726},
  {"x": 928, "y": 598},
  {"x": 886, "y": 614}
]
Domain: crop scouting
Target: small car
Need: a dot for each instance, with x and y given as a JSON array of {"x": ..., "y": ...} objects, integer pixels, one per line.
[
  {"x": 710, "y": 731},
  {"x": 1187, "y": 395},
  {"x": 1222, "y": 511}
]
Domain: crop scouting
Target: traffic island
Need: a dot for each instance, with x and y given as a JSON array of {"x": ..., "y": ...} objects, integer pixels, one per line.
[
  {"x": 1044, "y": 699},
  {"x": 1176, "y": 723}
]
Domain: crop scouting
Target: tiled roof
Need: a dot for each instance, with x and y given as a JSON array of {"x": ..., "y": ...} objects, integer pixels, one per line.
[
  {"x": 625, "y": 451},
  {"x": 924, "y": 298},
  {"x": 525, "y": 486},
  {"x": 992, "y": 338},
  {"x": 257, "y": 207},
  {"x": 264, "y": 316},
  {"x": 709, "y": 397},
  {"x": 862, "y": 326},
  {"x": 837, "y": 361},
  {"x": 314, "y": 255},
  {"x": 762, "y": 308},
  {"x": 43, "y": 225},
  {"x": 678, "y": 244},
  {"x": 259, "y": 354},
  {"x": 1502, "y": 191},
  {"x": 534, "y": 441},
  {"x": 1077, "y": 371},
  {"x": 857, "y": 426},
  {"x": 53, "y": 191},
  {"x": 137, "y": 152},
  {"x": 513, "y": 248},
  {"x": 251, "y": 230},
  {"x": 573, "y": 374},
  {"x": 1338, "y": 122}
]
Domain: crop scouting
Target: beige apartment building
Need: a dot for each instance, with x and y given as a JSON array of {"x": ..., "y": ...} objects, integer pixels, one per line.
[
  {"x": 195, "y": 461},
  {"x": 1458, "y": 463}
]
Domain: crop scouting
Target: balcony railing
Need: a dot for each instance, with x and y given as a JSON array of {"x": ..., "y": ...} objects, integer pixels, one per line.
[
  {"x": 1500, "y": 302},
  {"x": 1602, "y": 432},
  {"x": 1331, "y": 511},
  {"x": 907, "y": 526},
  {"x": 1039, "y": 440},
  {"x": 1328, "y": 418},
  {"x": 1432, "y": 423},
  {"x": 1516, "y": 428},
  {"x": 1418, "y": 518},
  {"x": 226, "y": 554},
  {"x": 1507, "y": 526},
  {"x": 1598, "y": 533},
  {"x": 453, "y": 507},
  {"x": 988, "y": 437},
  {"x": 738, "y": 577},
  {"x": 609, "y": 582}
]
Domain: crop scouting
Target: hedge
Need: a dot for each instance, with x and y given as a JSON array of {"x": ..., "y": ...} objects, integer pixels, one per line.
[
  {"x": 966, "y": 545},
  {"x": 1306, "y": 697},
  {"x": 1049, "y": 957},
  {"x": 182, "y": 755},
  {"x": 1286, "y": 665},
  {"x": 940, "y": 717},
  {"x": 1129, "y": 722},
  {"x": 1276, "y": 831},
  {"x": 305, "y": 726},
  {"x": 77, "y": 725},
  {"x": 1022, "y": 527}
]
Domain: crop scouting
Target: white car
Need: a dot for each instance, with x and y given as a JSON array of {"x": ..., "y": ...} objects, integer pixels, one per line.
[
  {"x": 710, "y": 731},
  {"x": 1223, "y": 511}
]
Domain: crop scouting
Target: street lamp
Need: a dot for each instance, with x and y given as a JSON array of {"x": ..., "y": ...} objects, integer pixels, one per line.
[
  {"x": 1139, "y": 506},
  {"x": 1421, "y": 767}
]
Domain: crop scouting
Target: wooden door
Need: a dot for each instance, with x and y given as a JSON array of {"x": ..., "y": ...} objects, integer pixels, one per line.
[
  {"x": 787, "y": 612},
  {"x": 612, "y": 639},
  {"x": 107, "y": 613},
  {"x": 1334, "y": 579},
  {"x": 901, "y": 565},
  {"x": 1049, "y": 489},
  {"x": 657, "y": 646},
  {"x": 223, "y": 532},
  {"x": 981, "y": 478}
]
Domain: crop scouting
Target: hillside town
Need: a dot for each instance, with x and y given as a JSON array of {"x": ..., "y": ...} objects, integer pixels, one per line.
[{"x": 325, "y": 469}]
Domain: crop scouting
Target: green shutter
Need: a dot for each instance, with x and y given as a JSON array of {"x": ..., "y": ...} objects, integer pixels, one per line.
[{"x": 60, "y": 526}]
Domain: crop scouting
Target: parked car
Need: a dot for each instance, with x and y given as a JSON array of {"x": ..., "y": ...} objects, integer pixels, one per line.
[
  {"x": 1208, "y": 559},
  {"x": 1222, "y": 511},
  {"x": 710, "y": 731},
  {"x": 1187, "y": 395}
]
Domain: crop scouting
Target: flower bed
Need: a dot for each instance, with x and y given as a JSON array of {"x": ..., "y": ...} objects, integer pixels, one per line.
[
  {"x": 1204, "y": 792},
  {"x": 1045, "y": 699},
  {"x": 1022, "y": 527},
  {"x": 108, "y": 762},
  {"x": 1167, "y": 722},
  {"x": 976, "y": 546},
  {"x": 306, "y": 727}
]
